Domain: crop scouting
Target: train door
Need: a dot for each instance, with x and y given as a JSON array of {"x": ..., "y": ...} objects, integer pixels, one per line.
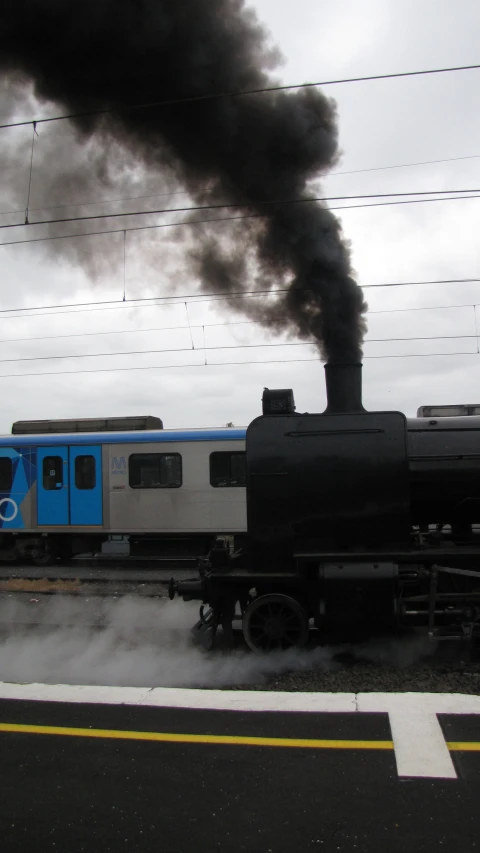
[
  {"x": 86, "y": 485},
  {"x": 69, "y": 485},
  {"x": 52, "y": 485}
]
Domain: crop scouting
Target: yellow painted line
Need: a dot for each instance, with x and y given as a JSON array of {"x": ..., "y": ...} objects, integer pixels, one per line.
[
  {"x": 170, "y": 737},
  {"x": 463, "y": 746}
]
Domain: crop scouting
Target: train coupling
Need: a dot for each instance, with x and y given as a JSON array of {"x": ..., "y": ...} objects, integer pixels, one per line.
[{"x": 192, "y": 589}]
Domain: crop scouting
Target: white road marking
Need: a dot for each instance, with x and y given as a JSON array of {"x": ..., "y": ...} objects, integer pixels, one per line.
[
  {"x": 175, "y": 697},
  {"x": 420, "y": 747}
]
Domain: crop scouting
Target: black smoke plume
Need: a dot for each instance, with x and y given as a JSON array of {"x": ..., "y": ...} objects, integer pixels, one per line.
[{"x": 104, "y": 54}]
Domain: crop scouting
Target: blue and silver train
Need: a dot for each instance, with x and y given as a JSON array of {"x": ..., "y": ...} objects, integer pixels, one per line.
[{"x": 68, "y": 487}]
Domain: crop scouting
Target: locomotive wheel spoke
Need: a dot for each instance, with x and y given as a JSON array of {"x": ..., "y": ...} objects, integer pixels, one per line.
[{"x": 275, "y": 622}]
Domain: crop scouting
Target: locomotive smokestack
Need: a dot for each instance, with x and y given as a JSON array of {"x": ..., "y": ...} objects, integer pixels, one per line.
[{"x": 344, "y": 388}]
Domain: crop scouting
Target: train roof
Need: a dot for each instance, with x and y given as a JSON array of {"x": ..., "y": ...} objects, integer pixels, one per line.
[
  {"x": 69, "y": 425},
  {"x": 137, "y": 437},
  {"x": 453, "y": 424}
]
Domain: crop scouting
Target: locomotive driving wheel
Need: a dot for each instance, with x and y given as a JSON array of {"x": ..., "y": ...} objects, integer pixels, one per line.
[{"x": 275, "y": 622}]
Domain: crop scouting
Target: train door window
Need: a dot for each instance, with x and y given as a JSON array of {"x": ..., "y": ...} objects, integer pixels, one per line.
[
  {"x": 52, "y": 473},
  {"x": 227, "y": 469},
  {"x": 155, "y": 471},
  {"x": 85, "y": 475},
  {"x": 6, "y": 474}
]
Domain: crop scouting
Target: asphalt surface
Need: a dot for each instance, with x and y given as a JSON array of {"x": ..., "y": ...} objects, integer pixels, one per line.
[{"x": 72, "y": 793}]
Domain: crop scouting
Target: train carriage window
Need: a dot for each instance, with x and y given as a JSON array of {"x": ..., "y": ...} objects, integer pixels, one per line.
[
  {"x": 227, "y": 469},
  {"x": 6, "y": 474},
  {"x": 85, "y": 475},
  {"x": 52, "y": 473},
  {"x": 155, "y": 471}
]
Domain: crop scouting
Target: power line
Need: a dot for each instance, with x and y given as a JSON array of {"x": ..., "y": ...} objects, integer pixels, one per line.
[
  {"x": 237, "y": 94},
  {"x": 224, "y": 347},
  {"x": 415, "y": 283},
  {"x": 149, "y": 330},
  {"x": 216, "y": 299},
  {"x": 138, "y": 228},
  {"x": 186, "y": 192},
  {"x": 200, "y": 297},
  {"x": 209, "y": 220},
  {"x": 126, "y": 198},
  {"x": 128, "y": 332},
  {"x": 219, "y": 298},
  {"x": 235, "y": 205},
  {"x": 384, "y": 168},
  {"x": 224, "y": 364},
  {"x": 425, "y": 308}
]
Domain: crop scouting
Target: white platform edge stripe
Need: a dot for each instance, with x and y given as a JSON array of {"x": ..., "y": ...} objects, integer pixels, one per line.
[{"x": 245, "y": 700}]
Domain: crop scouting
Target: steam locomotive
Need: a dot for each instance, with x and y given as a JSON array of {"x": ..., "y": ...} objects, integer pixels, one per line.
[{"x": 357, "y": 522}]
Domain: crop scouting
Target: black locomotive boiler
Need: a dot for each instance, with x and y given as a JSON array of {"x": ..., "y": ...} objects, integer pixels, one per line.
[{"x": 358, "y": 523}]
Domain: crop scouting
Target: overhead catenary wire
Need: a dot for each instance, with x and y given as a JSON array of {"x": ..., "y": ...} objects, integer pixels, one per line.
[
  {"x": 30, "y": 171},
  {"x": 166, "y": 102},
  {"x": 215, "y": 299},
  {"x": 226, "y": 364},
  {"x": 264, "y": 345},
  {"x": 203, "y": 326},
  {"x": 215, "y": 219},
  {"x": 402, "y": 165},
  {"x": 186, "y": 192},
  {"x": 205, "y": 297},
  {"x": 132, "y": 198},
  {"x": 189, "y": 326},
  {"x": 283, "y": 361},
  {"x": 247, "y": 204},
  {"x": 124, "y": 266}
]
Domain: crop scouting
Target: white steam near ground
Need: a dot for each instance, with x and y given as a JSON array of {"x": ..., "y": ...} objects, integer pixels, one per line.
[{"x": 146, "y": 643}]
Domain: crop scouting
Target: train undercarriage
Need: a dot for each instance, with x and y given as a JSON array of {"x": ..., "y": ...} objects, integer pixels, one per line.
[
  {"x": 341, "y": 597},
  {"x": 43, "y": 549}
]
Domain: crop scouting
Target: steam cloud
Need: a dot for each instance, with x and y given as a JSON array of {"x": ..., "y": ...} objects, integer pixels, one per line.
[
  {"x": 138, "y": 642},
  {"x": 103, "y": 54},
  {"x": 126, "y": 642}
]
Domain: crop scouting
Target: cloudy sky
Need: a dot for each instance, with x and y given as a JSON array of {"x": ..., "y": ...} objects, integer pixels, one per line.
[{"x": 218, "y": 373}]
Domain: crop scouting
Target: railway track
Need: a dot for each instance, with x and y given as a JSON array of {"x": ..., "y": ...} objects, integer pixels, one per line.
[
  {"x": 84, "y": 598},
  {"x": 103, "y": 577}
]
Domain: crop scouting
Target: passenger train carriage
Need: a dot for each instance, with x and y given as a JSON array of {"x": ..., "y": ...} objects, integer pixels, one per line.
[{"x": 66, "y": 493}]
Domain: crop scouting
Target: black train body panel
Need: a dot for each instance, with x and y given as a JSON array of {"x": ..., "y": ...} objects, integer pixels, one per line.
[
  {"x": 444, "y": 463},
  {"x": 324, "y": 483}
]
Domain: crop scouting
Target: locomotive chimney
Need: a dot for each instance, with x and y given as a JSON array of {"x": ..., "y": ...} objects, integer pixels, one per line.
[{"x": 344, "y": 388}]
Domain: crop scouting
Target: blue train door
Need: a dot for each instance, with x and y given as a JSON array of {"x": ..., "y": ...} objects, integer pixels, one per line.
[
  {"x": 69, "y": 485},
  {"x": 52, "y": 485},
  {"x": 86, "y": 485}
]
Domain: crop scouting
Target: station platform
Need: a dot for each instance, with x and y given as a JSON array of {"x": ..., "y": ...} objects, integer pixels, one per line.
[{"x": 106, "y": 768}]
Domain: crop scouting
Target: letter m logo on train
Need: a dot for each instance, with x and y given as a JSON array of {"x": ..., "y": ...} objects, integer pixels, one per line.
[{"x": 119, "y": 465}]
